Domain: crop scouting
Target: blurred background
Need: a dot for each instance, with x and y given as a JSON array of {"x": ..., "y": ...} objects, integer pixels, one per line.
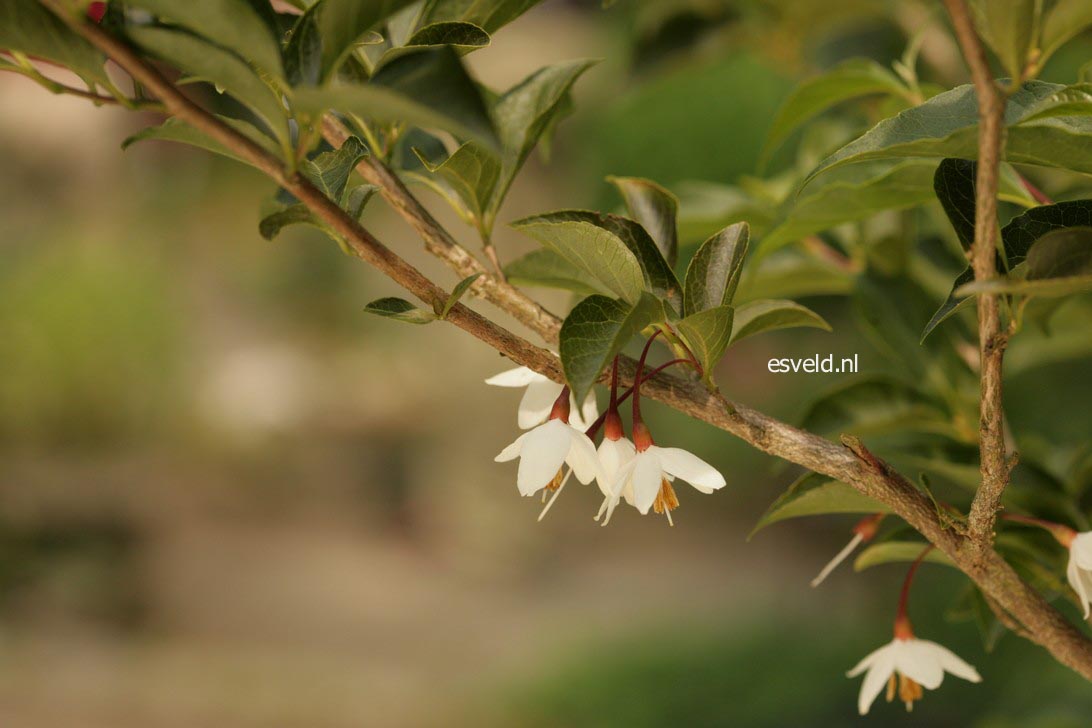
[{"x": 230, "y": 498}]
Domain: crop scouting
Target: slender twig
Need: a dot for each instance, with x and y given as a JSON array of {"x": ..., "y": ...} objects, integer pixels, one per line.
[
  {"x": 987, "y": 569},
  {"x": 992, "y": 338}
]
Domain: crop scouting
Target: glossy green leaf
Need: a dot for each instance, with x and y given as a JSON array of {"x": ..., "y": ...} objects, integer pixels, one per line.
[
  {"x": 887, "y": 552},
  {"x": 759, "y": 316},
  {"x": 595, "y": 331},
  {"x": 595, "y": 244},
  {"x": 654, "y": 209},
  {"x": 1062, "y": 22},
  {"x": 850, "y": 79},
  {"x": 946, "y": 126},
  {"x": 175, "y": 130},
  {"x": 400, "y": 310},
  {"x": 713, "y": 273},
  {"x": 547, "y": 269},
  {"x": 852, "y": 193},
  {"x": 1011, "y": 27},
  {"x": 1024, "y": 229},
  {"x": 815, "y": 494},
  {"x": 26, "y": 26},
  {"x": 330, "y": 171},
  {"x": 463, "y": 37},
  {"x": 488, "y": 14},
  {"x": 429, "y": 87},
  {"x": 457, "y": 292},
  {"x": 297, "y": 214},
  {"x": 209, "y": 62},
  {"x": 246, "y": 27},
  {"x": 707, "y": 333},
  {"x": 875, "y": 405},
  {"x": 335, "y": 27},
  {"x": 466, "y": 178}
]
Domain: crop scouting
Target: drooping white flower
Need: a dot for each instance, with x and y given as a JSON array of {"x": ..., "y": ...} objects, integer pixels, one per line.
[
  {"x": 911, "y": 663},
  {"x": 1079, "y": 570},
  {"x": 648, "y": 475},
  {"x": 613, "y": 456},
  {"x": 539, "y": 397},
  {"x": 544, "y": 450}
]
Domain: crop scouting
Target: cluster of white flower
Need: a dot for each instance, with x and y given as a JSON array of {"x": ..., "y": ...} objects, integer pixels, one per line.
[
  {"x": 559, "y": 433},
  {"x": 637, "y": 470}
]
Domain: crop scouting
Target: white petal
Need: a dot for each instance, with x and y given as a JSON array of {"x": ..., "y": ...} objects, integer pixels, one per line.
[
  {"x": 870, "y": 658},
  {"x": 582, "y": 456},
  {"x": 518, "y": 377},
  {"x": 543, "y": 454},
  {"x": 1081, "y": 550},
  {"x": 954, "y": 664},
  {"x": 691, "y": 468},
  {"x": 647, "y": 479},
  {"x": 919, "y": 661},
  {"x": 613, "y": 454},
  {"x": 512, "y": 451},
  {"x": 1075, "y": 576},
  {"x": 878, "y": 675},
  {"x": 581, "y": 416},
  {"x": 537, "y": 402}
]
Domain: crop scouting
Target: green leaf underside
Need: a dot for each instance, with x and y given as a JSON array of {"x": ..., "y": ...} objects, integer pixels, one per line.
[
  {"x": 759, "y": 316},
  {"x": 467, "y": 178},
  {"x": 814, "y": 494},
  {"x": 330, "y": 171},
  {"x": 707, "y": 333},
  {"x": 429, "y": 87},
  {"x": 175, "y": 130},
  {"x": 946, "y": 126},
  {"x": 888, "y": 552},
  {"x": 596, "y": 330},
  {"x": 247, "y": 27},
  {"x": 488, "y": 14},
  {"x": 547, "y": 269},
  {"x": 848, "y": 80},
  {"x": 714, "y": 271},
  {"x": 400, "y": 310},
  {"x": 463, "y": 37},
  {"x": 210, "y": 63},
  {"x": 327, "y": 33},
  {"x": 654, "y": 209},
  {"x": 606, "y": 247},
  {"x": 457, "y": 293},
  {"x": 26, "y": 26}
]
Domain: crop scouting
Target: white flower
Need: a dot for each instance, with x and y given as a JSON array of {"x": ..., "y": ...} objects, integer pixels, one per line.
[
  {"x": 540, "y": 396},
  {"x": 1079, "y": 571},
  {"x": 544, "y": 450},
  {"x": 613, "y": 456},
  {"x": 916, "y": 663},
  {"x": 648, "y": 476}
]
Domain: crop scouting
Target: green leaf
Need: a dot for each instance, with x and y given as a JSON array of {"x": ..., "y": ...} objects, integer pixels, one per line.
[
  {"x": 954, "y": 186},
  {"x": 815, "y": 494},
  {"x": 330, "y": 171},
  {"x": 871, "y": 406},
  {"x": 713, "y": 273},
  {"x": 175, "y": 130},
  {"x": 457, "y": 292},
  {"x": 464, "y": 37},
  {"x": 888, "y": 552},
  {"x": 466, "y": 179},
  {"x": 246, "y": 27},
  {"x": 848, "y": 80},
  {"x": 707, "y": 333},
  {"x": 525, "y": 112},
  {"x": 400, "y": 310},
  {"x": 1023, "y": 230},
  {"x": 489, "y": 14},
  {"x": 586, "y": 241},
  {"x": 1011, "y": 27},
  {"x": 298, "y": 214},
  {"x": 770, "y": 314},
  {"x": 1061, "y": 254},
  {"x": 596, "y": 330},
  {"x": 1065, "y": 20},
  {"x": 654, "y": 209},
  {"x": 706, "y": 207},
  {"x": 547, "y": 269},
  {"x": 1073, "y": 100},
  {"x": 327, "y": 33},
  {"x": 849, "y": 194},
  {"x": 429, "y": 87},
  {"x": 946, "y": 126},
  {"x": 27, "y": 27},
  {"x": 210, "y": 63}
]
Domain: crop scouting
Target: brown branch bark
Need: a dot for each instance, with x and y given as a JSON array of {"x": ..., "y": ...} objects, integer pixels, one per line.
[
  {"x": 863, "y": 471},
  {"x": 992, "y": 338}
]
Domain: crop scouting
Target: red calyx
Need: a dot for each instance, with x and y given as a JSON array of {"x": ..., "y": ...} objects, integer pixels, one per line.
[
  {"x": 867, "y": 527},
  {"x": 561, "y": 407},
  {"x": 642, "y": 438},
  {"x": 612, "y": 426}
]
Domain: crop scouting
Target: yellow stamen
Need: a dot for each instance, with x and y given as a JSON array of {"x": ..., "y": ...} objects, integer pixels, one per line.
[
  {"x": 666, "y": 501},
  {"x": 891, "y": 688},
  {"x": 909, "y": 691},
  {"x": 555, "y": 483}
]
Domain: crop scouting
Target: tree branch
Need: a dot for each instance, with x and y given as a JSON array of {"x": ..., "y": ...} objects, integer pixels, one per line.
[
  {"x": 865, "y": 473},
  {"x": 992, "y": 339}
]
